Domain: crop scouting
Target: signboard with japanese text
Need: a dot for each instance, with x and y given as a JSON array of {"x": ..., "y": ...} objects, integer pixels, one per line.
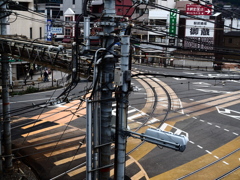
[
  {"x": 199, "y": 34},
  {"x": 57, "y": 30},
  {"x": 199, "y": 28},
  {"x": 49, "y": 30},
  {"x": 173, "y": 22},
  {"x": 196, "y": 9}
]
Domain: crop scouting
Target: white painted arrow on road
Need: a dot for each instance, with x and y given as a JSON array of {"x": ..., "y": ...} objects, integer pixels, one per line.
[{"x": 228, "y": 112}]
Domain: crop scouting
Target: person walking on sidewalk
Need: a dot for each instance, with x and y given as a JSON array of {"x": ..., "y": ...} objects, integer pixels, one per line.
[
  {"x": 31, "y": 73},
  {"x": 45, "y": 76}
]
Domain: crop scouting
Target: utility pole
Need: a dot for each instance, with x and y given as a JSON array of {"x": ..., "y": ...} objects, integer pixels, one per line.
[
  {"x": 122, "y": 105},
  {"x": 108, "y": 65},
  {"x": 7, "y": 143},
  {"x": 5, "y": 126}
]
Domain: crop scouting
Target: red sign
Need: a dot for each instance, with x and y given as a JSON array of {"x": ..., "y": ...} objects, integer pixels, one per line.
[{"x": 195, "y": 9}]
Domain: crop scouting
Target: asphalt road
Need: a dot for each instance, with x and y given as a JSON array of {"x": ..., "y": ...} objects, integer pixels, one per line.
[
  {"x": 208, "y": 111},
  {"x": 210, "y": 117}
]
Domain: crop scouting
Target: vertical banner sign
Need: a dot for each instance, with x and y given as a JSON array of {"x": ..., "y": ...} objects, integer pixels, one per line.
[
  {"x": 173, "y": 23},
  {"x": 49, "y": 30}
]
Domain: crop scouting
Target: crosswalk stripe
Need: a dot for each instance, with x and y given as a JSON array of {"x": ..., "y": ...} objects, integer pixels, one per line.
[
  {"x": 42, "y": 130},
  {"x": 61, "y": 151},
  {"x": 139, "y": 175},
  {"x": 136, "y": 116},
  {"x": 77, "y": 171},
  {"x": 48, "y": 136},
  {"x": 33, "y": 124},
  {"x": 131, "y": 111},
  {"x": 66, "y": 160},
  {"x": 58, "y": 143}
]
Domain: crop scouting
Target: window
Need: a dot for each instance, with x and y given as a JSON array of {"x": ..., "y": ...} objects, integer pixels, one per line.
[
  {"x": 30, "y": 33},
  {"x": 68, "y": 32},
  {"x": 230, "y": 40},
  {"x": 68, "y": 18},
  {"x": 152, "y": 22},
  {"x": 137, "y": 10},
  {"x": 151, "y": 38},
  {"x": 73, "y": 1},
  {"x": 160, "y": 22},
  {"x": 40, "y": 32}
]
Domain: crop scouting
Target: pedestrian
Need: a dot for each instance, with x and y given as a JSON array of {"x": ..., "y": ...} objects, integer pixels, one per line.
[
  {"x": 31, "y": 73},
  {"x": 45, "y": 76}
]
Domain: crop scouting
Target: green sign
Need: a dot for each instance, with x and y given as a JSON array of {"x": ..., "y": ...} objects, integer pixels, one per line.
[{"x": 173, "y": 22}]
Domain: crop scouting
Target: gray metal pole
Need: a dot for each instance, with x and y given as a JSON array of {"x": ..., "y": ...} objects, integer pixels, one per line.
[
  {"x": 120, "y": 155},
  {"x": 96, "y": 115},
  {"x": 89, "y": 141},
  {"x": 106, "y": 90},
  {"x": 87, "y": 33},
  {"x": 6, "y": 113}
]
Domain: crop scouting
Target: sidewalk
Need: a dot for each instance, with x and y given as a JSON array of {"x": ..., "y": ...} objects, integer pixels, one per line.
[{"x": 56, "y": 79}]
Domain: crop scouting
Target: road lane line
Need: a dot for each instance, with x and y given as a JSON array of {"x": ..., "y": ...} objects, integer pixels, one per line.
[{"x": 208, "y": 152}]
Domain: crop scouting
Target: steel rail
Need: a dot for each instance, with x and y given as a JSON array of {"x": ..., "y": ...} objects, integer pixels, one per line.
[{"x": 200, "y": 169}]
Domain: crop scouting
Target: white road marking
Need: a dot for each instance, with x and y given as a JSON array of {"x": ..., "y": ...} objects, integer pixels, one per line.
[
  {"x": 225, "y": 162},
  {"x": 228, "y": 112},
  {"x": 213, "y": 91},
  {"x": 191, "y": 142},
  {"x": 208, "y": 152}
]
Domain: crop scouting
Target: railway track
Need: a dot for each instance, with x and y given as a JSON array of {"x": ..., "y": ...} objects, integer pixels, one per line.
[
  {"x": 150, "y": 116},
  {"x": 220, "y": 160}
]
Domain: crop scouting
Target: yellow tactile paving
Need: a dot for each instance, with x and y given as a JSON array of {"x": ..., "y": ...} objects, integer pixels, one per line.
[{"x": 199, "y": 162}]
